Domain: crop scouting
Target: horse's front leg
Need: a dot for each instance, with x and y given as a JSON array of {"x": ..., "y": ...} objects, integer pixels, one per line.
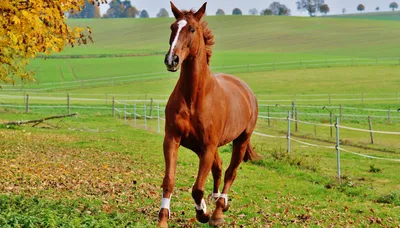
[
  {"x": 171, "y": 145},
  {"x": 206, "y": 161}
]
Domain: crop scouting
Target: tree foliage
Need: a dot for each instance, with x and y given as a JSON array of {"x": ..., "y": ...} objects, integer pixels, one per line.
[
  {"x": 361, "y": 7},
  {"x": 324, "y": 9},
  {"x": 266, "y": 12},
  {"x": 236, "y": 11},
  {"x": 279, "y": 9},
  {"x": 88, "y": 11},
  {"x": 377, "y": 8},
  {"x": 119, "y": 9},
  {"x": 344, "y": 10},
  {"x": 163, "y": 13},
  {"x": 394, "y": 6},
  {"x": 220, "y": 12},
  {"x": 33, "y": 27},
  {"x": 253, "y": 11},
  {"x": 311, "y": 6},
  {"x": 144, "y": 14}
]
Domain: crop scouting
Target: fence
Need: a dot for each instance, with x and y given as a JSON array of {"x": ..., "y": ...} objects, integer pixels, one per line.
[{"x": 260, "y": 67}]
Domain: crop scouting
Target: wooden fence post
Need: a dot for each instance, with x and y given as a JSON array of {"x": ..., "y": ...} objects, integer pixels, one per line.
[
  {"x": 293, "y": 108},
  {"x": 297, "y": 123},
  {"x": 27, "y": 103},
  {"x": 113, "y": 107},
  {"x": 370, "y": 129},
  {"x": 68, "y": 103},
  {"x": 151, "y": 107},
  {"x": 330, "y": 121}
]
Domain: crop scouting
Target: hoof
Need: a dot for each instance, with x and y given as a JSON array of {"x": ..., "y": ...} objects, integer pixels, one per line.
[
  {"x": 163, "y": 224},
  {"x": 163, "y": 218},
  {"x": 216, "y": 222},
  {"x": 201, "y": 217},
  {"x": 226, "y": 208}
]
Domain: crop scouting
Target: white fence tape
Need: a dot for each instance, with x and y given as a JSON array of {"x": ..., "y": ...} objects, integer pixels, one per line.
[
  {"x": 373, "y": 131},
  {"x": 369, "y": 156},
  {"x": 310, "y": 144},
  {"x": 269, "y": 136}
]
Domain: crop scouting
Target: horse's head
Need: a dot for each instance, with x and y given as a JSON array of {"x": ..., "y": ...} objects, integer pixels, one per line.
[{"x": 186, "y": 36}]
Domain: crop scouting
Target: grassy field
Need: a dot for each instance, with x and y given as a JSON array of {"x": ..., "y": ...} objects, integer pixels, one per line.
[
  {"x": 95, "y": 171},
  {"x": 96, "y": 174},
  {"x": 385, "y": 16},
  {"x": 239, "y": 41}
]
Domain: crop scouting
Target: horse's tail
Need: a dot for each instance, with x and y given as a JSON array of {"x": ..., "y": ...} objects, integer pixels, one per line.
[{"x": 250, "y": 155}]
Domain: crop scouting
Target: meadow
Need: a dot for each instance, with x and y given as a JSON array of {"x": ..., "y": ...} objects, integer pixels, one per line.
[{"x": 93, "y": 170}]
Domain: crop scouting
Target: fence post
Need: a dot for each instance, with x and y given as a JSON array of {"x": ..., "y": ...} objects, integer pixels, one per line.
[
  {"x": 389, "y": 115},
  {"x": 145, "y": 118},
  {"x": 134, "y": 114},
  {"x": 151, "y": 107},
  {"x": 125, "y": 112},
  {"x": 341, "y": 109},
  {"x": 337, "y": 149},
  {"x": 269, "y": 120},
  {"x": 113, "y": 107},
  {"x": 293, "y": 108},
  {"x": 297, "y": 123},
  {"x": 330, "y": 121},
  {"x": 158, "y": 118},
  {"x": 370, "y": 129},
  {"x": 329, "y": 99},
  {"x": 69, "y": 111},
  {"x": 27, "y": 103},
  {"x": 288, "y": 134},
  {"x": 315, "y": 129},
  {"x": 362, "y": 98}
]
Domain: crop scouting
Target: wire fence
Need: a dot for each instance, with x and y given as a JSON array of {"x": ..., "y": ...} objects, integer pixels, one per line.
[{"x": 259, "y": 67}]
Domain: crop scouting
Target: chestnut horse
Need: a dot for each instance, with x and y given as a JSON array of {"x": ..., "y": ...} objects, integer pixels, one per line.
[{"x": 204, "y": 111}]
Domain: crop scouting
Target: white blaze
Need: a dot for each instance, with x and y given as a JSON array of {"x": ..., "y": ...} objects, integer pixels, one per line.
[{"x": 181, "y": 24}]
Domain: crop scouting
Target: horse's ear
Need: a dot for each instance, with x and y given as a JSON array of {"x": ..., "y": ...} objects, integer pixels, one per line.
[
  {"x": 177, "y": 13},
  {"x": 200, "y": 13}
]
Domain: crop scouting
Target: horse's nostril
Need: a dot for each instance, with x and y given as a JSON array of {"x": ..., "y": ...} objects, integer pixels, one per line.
[{"x": 176, "y": 60}]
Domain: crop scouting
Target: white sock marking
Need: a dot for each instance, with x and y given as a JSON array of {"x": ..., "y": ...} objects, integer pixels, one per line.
[{"x": 181, "y": 24}]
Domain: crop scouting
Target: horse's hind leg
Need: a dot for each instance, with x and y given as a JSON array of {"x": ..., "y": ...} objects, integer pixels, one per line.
[{"x": 239, "y": 150}]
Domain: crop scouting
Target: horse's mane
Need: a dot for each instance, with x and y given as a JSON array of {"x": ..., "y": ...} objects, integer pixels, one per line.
[{"x": 207, "y": 34}]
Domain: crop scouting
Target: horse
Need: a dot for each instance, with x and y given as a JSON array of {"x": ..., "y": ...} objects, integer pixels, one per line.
[{"x": 204, "y": 111}]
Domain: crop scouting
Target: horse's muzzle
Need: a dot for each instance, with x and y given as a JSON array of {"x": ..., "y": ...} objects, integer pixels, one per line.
[{"x": 172, "y": 62}]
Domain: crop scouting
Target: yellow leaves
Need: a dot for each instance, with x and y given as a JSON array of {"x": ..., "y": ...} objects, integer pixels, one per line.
[
  {"x": 34, "y": 27},
  {"x": 16, "y": 20}
]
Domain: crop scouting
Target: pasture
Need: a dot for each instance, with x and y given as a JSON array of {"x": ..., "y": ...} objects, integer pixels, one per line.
[{"x": 94, "y": 170}]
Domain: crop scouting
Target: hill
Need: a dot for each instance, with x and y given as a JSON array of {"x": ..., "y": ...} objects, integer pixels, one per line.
[{"x": 386, "y": 16}]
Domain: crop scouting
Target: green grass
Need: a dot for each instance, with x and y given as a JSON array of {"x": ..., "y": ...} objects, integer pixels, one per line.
[
  {"x": 239, "y": 41},
  {"x": 385, "y": 16},
  {"x": 119, "y": 170}
]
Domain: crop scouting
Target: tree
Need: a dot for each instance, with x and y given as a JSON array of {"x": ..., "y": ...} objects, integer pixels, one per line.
[
  {"x": 144, "y": 14},
  {"x": 324, "y": 9},
  {"x": 361, "y": 7},
  {"x": 377, "y": 8},
  {"x": 266, "y": 12},
  {"x": 220, "y": 12},
  {"x": 279, "y": 9},
  {"x": 88, "y": 11},
  {"x": 393, "y": 6},
  {"x": 253, "y": 11},
  {"x": 121, "y": 9},
  {"x": 311, "y": 6},
  {"x": 130, "y": 12},
  {"x": 33, "y": 27},
  {"x": 163, "y": 13},
  {"x": 344, "y": 10},
  {"x": 236, "y": 11}
]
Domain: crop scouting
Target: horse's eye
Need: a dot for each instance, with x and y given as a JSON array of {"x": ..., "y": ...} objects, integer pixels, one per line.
[{"x": 192, "y": 30}]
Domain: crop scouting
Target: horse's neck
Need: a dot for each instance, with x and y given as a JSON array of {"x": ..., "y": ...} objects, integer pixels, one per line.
[{"x": 195, "y": 79}]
